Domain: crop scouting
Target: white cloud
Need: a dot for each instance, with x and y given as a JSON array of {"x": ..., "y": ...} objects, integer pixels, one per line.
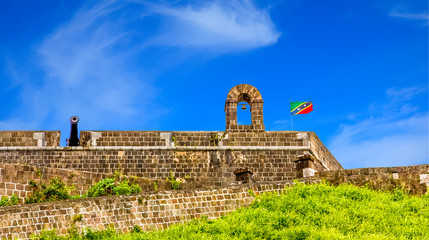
[
  {"x": 280, "y": 121},
  {"x": 411, "y": 16},
  {"x": 87, "y": 72},
  {"x": 403, "y": 94},
  {"x": 223, "y": 25},
  {"x": 95, "y": 65},
  {"x": 394, "y": 138}
]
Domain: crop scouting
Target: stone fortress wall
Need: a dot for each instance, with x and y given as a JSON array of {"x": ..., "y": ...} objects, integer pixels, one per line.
[
  {"x": 210, "y": 158},
  {"x": 209, "y": 165}
]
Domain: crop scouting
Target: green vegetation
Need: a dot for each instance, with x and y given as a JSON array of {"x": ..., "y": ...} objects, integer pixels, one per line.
[
  {"x": 77, "y": 218},
  {"x": 110, "y": 186},
  {"x": 6, "y": 201},
  {"x": 214, "y": 139},
  {"x": 301, "y": 212},
  {"x": 175, "y": 182},
  {"x": 118, "y": 185},
  {"x": 55, "y": 191}
]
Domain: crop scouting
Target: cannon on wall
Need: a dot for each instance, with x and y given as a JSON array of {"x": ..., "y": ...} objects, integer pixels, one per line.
[{"x": 73, "y": 141}]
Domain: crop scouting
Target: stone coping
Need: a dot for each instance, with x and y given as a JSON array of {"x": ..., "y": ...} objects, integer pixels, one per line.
[
  {"x": 180, "y": 131},
  {"x": 176, "y": 148}
]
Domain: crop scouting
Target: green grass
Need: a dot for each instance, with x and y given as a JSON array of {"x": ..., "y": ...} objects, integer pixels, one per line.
[{"x": 304, "y": 212}]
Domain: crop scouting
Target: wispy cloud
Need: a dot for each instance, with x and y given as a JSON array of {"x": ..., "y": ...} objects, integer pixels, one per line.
[
  {"x": 403, "y": 94},
  {"x": 411, "y": 16},
  {"x": 223, "y": 25},
  {"x": 395, "y": 137},
  {"x": 280, "y": 121},
  {"x": 102, "y": 64}
]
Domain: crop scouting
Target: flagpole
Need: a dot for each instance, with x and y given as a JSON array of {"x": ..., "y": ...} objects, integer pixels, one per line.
[{"x": 291, "y": 118}]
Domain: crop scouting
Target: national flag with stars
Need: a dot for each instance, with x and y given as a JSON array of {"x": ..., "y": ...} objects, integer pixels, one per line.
[{"x": 301, "y": 107}]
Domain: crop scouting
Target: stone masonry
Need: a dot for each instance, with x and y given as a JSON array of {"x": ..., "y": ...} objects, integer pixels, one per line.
[
  {"x": 250, "y": 95},
  {"x": 271, "y": 160},
  {"x": 209, "y": 158},
  {"x": 413, "y": 179},
  {"x": 149, "y": 210}
]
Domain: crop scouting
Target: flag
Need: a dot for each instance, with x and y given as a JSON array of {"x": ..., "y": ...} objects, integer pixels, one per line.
[{"x": 301, "y": 107}]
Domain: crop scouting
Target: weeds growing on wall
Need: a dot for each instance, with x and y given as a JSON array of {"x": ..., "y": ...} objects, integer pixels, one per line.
[
  {"x": 119, "y": 185},
  {"x": 56, "y": 190},
  {"x": 176, "y": 182},
  {"x": 6, "y": 201},
  {"x": 302, "y": 212}
]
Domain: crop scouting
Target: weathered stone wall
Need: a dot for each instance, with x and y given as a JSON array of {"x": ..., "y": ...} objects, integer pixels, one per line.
[
  {"x": 207, "y": 166},
  {"x": 324, "y": 158},
  {"x": 249, "y": 94},
  {"x": 202, "y": 138},
  {"x": 149, "y": 211},
  {"x": 14, "y": 179},
  {"x": 121, "y": 138},
  {"x": 209, "y": 158},
  {"x": 414, "y": 179},
  {"x": 30, "y": 138}
]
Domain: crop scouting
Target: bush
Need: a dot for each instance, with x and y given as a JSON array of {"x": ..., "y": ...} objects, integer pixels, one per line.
[
  {"x": 13, "y": 200},
  {"x": 111, "y": 186},
  {"x": 125, "y": 188},
  {"x": 136, "y": 229},
  {"x": 55, "y": 191},
  {"x": 102, "y": 188}
]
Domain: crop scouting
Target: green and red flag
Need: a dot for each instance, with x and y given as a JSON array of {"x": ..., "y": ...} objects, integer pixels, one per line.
[{"x": 301, "y": 107}]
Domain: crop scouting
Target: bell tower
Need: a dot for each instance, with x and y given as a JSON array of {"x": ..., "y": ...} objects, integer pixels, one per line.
[{"x": 249, "y": 94}]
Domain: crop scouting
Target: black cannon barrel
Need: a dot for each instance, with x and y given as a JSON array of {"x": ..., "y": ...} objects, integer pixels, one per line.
[{"x": 73, "y": 141}]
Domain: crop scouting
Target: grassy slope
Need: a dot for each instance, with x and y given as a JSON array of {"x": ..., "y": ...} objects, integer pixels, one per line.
[{"x": 308, "y": 212}]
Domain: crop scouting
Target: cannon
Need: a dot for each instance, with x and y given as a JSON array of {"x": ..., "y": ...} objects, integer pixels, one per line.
[{"x": 73, "y": 141}]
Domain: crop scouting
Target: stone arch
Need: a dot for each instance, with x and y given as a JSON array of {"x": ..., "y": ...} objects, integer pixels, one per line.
[{"x": 251, "y": 95}]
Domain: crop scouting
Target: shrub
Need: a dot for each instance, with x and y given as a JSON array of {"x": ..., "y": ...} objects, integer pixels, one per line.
[
  {"x": 110, "y": 186},
  {"x": 125, "y": 187},
  {"x": 102, "y": 188},
  {"x": 55, "y": 191},
  {"x": 136, "y": 229},
  {"x": 6, "y": 201}
]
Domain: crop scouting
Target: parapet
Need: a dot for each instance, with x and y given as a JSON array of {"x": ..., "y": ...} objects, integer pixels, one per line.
[
  {"x": 193, "y": 138},
  {"x": 30, "y": 138}
]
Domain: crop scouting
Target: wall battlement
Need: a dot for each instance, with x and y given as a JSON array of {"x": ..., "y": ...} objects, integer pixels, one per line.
[
  {"x": 30, "y": 138},
  {"x": 209, "y": 158}
]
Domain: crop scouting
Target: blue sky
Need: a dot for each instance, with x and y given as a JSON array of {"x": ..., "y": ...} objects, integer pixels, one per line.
[{"x": 168, "y": 65}]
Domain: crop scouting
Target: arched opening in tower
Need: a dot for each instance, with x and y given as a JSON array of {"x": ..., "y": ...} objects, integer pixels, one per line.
[{"x": 244, "y": 116}]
